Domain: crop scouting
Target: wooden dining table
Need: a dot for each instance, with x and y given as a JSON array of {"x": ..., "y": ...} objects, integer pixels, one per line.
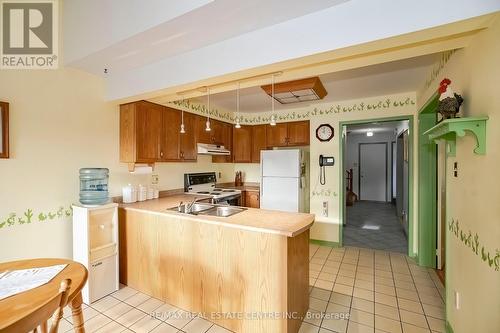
[{"x": 19, "y": 306}]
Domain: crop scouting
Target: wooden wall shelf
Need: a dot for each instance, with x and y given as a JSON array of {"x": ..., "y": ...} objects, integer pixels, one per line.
[{"x": 449, "y": 129}]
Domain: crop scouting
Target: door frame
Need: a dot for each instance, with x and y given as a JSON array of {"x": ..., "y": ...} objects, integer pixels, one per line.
[
  {"x": 427, "y": 185},
  {"x": 342, "y": 206},
  {"x": 359, "y": 166},
  {"x": 393, "y": 143}
]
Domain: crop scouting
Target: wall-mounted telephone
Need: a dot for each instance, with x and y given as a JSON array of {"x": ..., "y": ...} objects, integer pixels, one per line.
[{"x": 323, "y": 162}]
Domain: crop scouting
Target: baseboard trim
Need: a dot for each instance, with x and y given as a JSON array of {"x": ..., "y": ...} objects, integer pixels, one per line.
[
  {"x": 448, "y": 327},
  {"x": 324, "y": 243}
]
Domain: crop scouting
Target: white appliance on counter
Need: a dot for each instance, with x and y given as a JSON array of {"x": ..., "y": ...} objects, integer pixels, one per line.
[
  {"x": 284, "y": 180},
  {"x": 95, "y": 245}
]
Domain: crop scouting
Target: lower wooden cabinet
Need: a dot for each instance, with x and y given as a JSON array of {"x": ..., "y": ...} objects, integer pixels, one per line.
[{"x": 252, "y": 199}]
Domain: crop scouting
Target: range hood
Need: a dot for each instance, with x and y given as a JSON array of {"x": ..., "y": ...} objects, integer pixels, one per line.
[{"x": 208, "y": 149}]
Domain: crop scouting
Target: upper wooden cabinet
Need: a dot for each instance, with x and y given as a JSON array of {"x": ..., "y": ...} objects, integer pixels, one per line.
[
  {"x": 216, "y": 135},
  {"x": 176, "y": 146},
  {"x": 242, "y": 144},
  {"x": 288, "y": 134},
  {"x": 140, "y": 132},
  {"x": 298, "y": 133},
  {"x": 171, "y": 137},
  {"x": 188, "y": 150},
  {"x": 150, "y": 133},
  {"x": 223, "y": 132},
  {"x": 277, "y": 135},
  {"x": 259, "y": 141}
]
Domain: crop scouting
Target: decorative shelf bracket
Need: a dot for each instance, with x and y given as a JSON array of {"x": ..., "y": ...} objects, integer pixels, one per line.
[{"x": 449, "y": 129}]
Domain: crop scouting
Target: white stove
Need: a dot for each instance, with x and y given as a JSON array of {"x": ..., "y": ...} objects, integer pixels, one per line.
[{"x": 206, "y": 184}]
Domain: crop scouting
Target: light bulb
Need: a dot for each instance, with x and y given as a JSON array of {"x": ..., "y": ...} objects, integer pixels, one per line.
[
  {"x": 370, "y": 133},
  {"x": 208, "y": 129},
  {"x": 273, "y": 120}
]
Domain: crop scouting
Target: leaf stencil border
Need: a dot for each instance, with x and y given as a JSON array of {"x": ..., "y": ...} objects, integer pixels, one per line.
[{"x": 29, "y": 216}]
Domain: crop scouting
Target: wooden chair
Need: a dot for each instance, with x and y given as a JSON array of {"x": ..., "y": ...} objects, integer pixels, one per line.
[{"x": 39, "y": 317}]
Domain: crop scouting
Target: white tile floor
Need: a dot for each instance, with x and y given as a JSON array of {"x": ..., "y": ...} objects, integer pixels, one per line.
[{"x": 351, "y": 290}]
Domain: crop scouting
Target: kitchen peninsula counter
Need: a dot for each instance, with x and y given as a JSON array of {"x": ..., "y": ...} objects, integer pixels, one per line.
[
  {"x": 252, "y": 219},
  {"x": 248, "y": 272}
]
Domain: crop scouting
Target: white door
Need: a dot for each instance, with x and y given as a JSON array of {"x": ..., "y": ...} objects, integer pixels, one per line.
[
  {"x": 373, "y": 171},
  {"x": 280, "y": 163},
  {"x": 279, "y": 193}
]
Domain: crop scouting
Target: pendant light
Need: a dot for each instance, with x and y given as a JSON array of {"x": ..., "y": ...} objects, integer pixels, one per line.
[
  {"x": 273, "y": 117},
  {"x": 183, "y": 130},
  {"x": 238, "y": 125},
  {"x": 208, "y": 129}
]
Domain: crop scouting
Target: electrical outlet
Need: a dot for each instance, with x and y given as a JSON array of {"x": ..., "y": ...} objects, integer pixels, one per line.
[
  {"x": 155, "y": 179},
  {"x": 455, "y": 169},
  {"x": 325, "y": 208},
  {"x": 457, "y": 300},
  {"x": 220, "y": 175}
]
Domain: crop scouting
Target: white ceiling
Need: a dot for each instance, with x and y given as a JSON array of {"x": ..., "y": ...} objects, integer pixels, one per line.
[
  {"x": 383, "y": 79},
  {"x": 192, "y": 25}
]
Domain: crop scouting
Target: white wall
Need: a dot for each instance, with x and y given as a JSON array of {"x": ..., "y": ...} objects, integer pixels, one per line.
[
  {"x": 352, "y": 156},
  {"x": 473, "y": 197}
]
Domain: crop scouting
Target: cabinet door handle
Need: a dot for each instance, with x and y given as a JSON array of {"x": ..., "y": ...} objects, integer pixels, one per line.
[{"x": 161, "y": 154}]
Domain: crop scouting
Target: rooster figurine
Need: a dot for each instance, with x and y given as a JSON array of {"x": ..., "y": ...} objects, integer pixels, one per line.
[{"x": 449, "y": 102}]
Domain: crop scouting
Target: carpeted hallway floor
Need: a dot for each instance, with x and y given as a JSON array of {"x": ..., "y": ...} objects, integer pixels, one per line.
[{"x": 374, "y": 225}]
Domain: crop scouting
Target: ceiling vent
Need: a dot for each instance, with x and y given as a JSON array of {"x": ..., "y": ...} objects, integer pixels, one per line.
[{"x": 303, "y": 90}]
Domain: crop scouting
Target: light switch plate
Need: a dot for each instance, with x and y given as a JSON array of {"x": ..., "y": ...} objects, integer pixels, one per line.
[{"x": 325, "y": 208}]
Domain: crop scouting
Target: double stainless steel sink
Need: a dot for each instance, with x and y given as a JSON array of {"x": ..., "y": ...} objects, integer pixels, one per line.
[{"x": 207, "y": 209}]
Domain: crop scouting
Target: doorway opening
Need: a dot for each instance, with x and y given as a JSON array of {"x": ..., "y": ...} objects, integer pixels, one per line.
[{"x": 376, "y": 161}]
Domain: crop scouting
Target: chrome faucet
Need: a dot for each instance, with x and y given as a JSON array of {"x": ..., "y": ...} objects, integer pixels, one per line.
[{"x": 190, "y": 205}]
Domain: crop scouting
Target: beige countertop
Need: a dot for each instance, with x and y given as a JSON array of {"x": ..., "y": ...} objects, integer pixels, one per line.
[
  {"x": 244, "y": 187},
  {"x": 252, "y": 219}
]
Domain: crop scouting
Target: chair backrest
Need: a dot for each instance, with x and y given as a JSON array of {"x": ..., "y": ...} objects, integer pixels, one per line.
[{"x": 39, "y": 316}]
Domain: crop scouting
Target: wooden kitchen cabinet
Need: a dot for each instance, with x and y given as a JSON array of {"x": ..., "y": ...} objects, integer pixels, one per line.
[
  {"x": 188, "y": 151},
  {"x": 288, "y": 134},
  {"x": 140, "y": 132},
  {"x": 225, "y": 138},
  {"x": 298, "y": 133},
  {"x": 252, "y": 199},
  {"x": 259, "y": 141},
  {"x": 150, "y": 133},
  {"x": 202, "y": 136},
  {"x": 242, "y": 144},
  {"x": 276, "y": 135},
  {"x": 171, "y": 138}
]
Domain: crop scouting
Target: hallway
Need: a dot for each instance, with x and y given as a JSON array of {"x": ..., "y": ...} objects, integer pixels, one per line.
[{"x": 374, "y": 225}]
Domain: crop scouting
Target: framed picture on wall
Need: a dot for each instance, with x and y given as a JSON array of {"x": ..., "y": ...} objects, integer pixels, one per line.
[{"x": 4, "y": 130}]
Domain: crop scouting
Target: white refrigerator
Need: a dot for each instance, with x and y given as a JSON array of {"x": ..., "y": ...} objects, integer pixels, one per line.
[{"x": 284, "y": 176}]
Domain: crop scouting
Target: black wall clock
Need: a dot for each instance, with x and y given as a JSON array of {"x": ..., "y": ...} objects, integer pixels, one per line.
[{"x": 324, "y": 132}]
